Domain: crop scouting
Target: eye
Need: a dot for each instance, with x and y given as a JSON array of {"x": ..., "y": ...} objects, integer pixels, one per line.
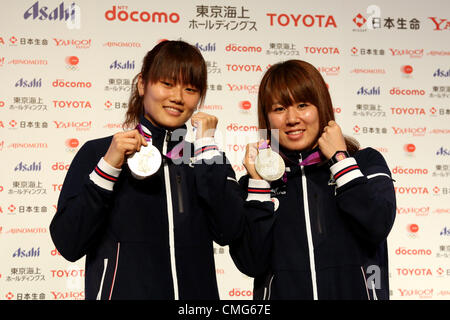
[
  {"x": 278, "y": 108},
  {"x": 191, "y": 89},
  {"x": 166, "y": 83},
  {"x": 302, "y": 105}
]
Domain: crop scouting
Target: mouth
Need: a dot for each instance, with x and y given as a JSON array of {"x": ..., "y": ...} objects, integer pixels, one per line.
[
  {"x": 295, "y": 134},
  {"x": 174, "y": 111}
]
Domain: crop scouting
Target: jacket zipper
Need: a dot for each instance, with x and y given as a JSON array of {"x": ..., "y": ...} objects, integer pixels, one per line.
[
  {"x": 173, "y": 264},
  {"x": 268, "y": 289},
  {"x": 105, "y": 266},
  {"x": 309, "y": 233},
  {"x": 180, "y": 194}
]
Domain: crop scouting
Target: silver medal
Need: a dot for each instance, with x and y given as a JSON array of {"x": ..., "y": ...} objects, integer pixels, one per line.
[
  {"x": 144, "y": 163},
  {"x": 269, "y": 165}
]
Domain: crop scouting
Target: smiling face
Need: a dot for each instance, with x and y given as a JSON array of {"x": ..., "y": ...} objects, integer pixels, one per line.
[
  {"x": 168, "y": 104},
  {"x": 298, "y": 125},
  {"x": 294, "y": 98}
]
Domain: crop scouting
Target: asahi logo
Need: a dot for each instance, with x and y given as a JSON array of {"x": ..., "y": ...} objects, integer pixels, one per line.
[
  {"x": 26, "y": 253},
  {"x": 42, "y": 12}
]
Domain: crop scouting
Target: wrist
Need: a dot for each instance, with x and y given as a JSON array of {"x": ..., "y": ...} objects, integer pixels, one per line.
[{"x": 338, "y": 156}]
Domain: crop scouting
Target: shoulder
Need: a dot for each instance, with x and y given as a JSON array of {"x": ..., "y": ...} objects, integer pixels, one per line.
[
  {"x": 371, "y": 161},
  {"x": 93, "y": 149}
]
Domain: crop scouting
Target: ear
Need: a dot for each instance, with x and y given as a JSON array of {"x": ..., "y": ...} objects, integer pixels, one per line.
[{"x": 140, "y": 85}]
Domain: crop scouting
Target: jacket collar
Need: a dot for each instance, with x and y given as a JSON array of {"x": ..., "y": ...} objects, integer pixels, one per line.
[{"x": 159, "y": 133}]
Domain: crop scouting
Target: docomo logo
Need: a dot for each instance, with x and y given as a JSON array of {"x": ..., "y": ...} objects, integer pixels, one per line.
[
  {"x": 400, "y": 170},
  {"x": 237, "y": 292},
  {"x": 406, "y": 92},
  {"x": 144, "y": 16},
  {"x": 246, "y": 128},
  {"x": 305, "y": 20},
  {"x": 60, "y": 166},
  {"x": 236, "y": 48},
  {"x": 412, "y": 252},
  {"x": 71, "y": 84}
]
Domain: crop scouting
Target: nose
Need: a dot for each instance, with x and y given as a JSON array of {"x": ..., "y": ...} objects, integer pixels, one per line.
[
  {"x": 177, "y": 95},
  {"x": 292, "y": 117}
]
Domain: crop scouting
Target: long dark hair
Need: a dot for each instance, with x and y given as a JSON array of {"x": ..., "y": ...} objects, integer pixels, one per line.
[
  {"x": 293, "y": 81},
  {"x": 171, "y": 60}
]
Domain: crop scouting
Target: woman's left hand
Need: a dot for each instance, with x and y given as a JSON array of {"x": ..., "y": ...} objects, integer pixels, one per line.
[
  {"x": 205, "y": 123},
  {"x": 332, "y": 140}
]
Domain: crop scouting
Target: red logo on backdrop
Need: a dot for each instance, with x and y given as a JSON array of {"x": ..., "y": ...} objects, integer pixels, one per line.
[
  {"x": 440, "y": 24},
  {"x": 359, "y": 20},
  {"x": 307, "y": 20},
  {"x": 413, "y": 228},
  {"x": 72, "y": 143},
  {"x": 407, "y": 69},
  {"x": 410, "y": 148},
  {"x": 72, "y": 62},
  {"x": 245, "y": 105},
  {"x": 120, "y": 13}
]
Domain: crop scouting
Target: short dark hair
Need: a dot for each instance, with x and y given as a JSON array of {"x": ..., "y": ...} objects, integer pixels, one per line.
[{"x": 293, "y": 81}]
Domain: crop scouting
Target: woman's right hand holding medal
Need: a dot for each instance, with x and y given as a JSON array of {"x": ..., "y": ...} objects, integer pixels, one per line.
[
  {"x": 251, "y": 151},
  {"x": 124, "y": 144}
]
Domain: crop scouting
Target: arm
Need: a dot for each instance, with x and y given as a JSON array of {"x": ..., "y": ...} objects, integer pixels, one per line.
[
  {"x": 87, "y": 193},
  {"x": 365, "y": 193},
  {"x": 251, "y": 252},
  {"x": 83, "y": 203}
]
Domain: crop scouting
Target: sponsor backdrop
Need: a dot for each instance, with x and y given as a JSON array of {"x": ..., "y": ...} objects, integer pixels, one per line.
[{"x": 66, "y": 69}]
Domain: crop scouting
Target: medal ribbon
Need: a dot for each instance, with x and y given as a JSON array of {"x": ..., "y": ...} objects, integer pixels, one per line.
[{"x": 175, "y": 153}]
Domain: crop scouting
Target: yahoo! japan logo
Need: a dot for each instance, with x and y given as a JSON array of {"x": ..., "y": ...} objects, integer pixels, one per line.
[{"x": 71, "y": 15}]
